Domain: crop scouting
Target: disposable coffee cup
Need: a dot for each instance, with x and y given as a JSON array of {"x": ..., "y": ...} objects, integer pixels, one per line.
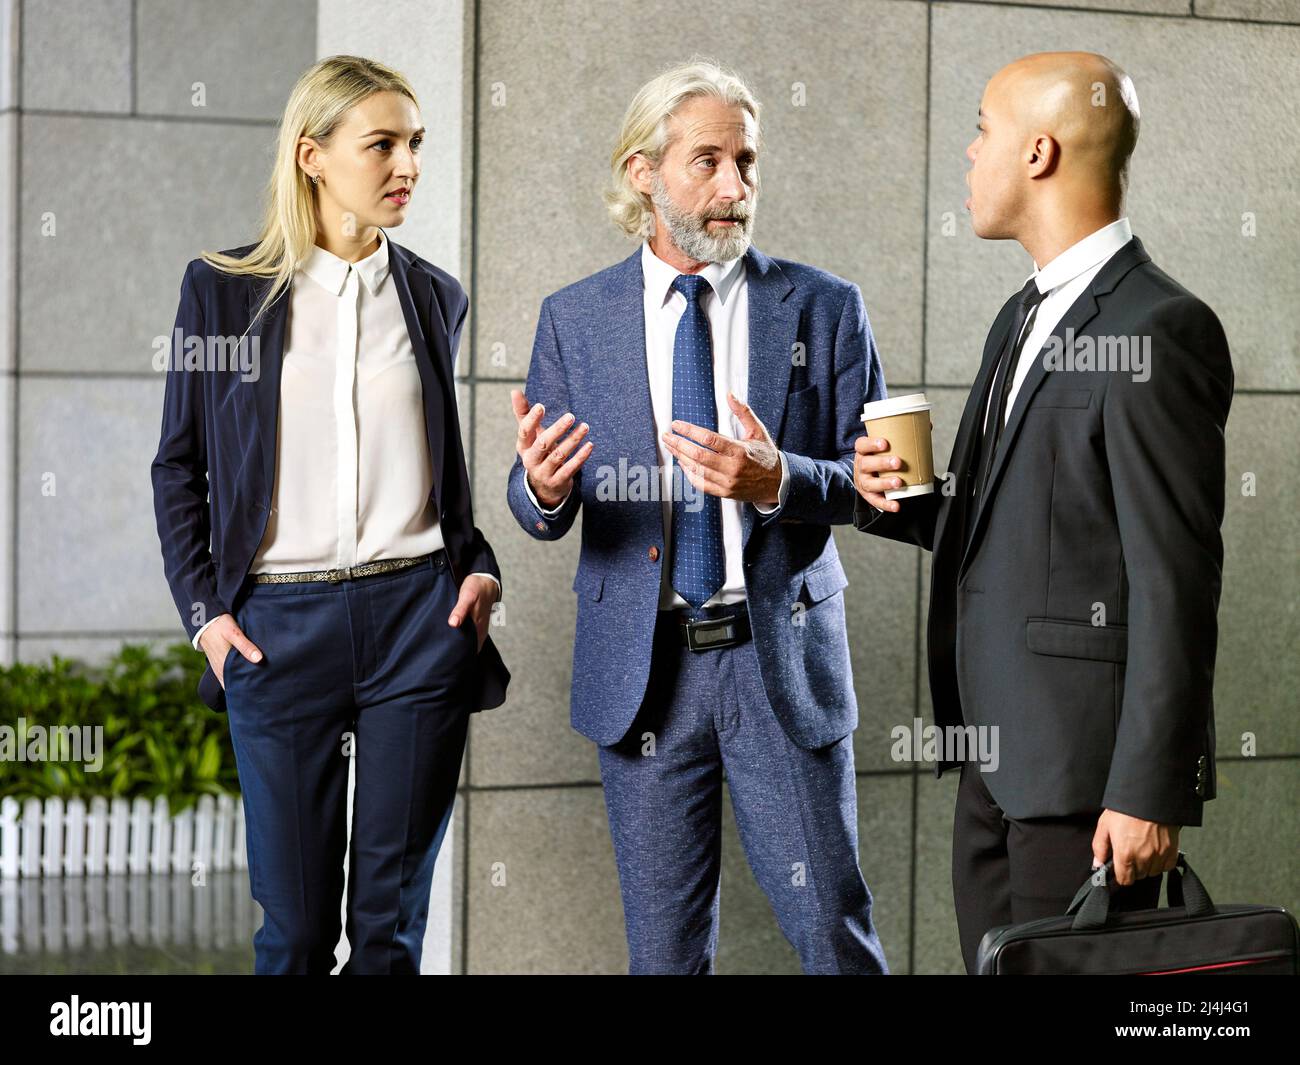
[{"x": 905, "y": 422}]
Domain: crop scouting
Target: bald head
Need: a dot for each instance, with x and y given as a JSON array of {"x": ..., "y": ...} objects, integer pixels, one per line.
[
  {"x": 1083, "y": 101},
  {"x": 1056, "y": 131}
]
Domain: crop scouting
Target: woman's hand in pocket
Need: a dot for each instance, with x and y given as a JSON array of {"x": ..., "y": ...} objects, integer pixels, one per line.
[
  {"x": 477, "y": 594},
  {"x": 219, "y": 637}
]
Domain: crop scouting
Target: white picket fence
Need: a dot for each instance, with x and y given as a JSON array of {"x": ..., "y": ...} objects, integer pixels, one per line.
[{"x": 50, "y": 838}]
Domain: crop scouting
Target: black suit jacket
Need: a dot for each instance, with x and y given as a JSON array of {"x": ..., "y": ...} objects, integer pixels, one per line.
[
  {"x": 215, "y": 468},
  {"x": 1104, "y": 504}
]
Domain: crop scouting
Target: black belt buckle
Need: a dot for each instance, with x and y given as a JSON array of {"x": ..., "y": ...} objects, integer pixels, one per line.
[{"x": 704, "y": 634}]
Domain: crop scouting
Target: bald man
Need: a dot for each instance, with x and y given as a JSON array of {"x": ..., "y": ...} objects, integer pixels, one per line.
[{"x": 1077, "y": 556}]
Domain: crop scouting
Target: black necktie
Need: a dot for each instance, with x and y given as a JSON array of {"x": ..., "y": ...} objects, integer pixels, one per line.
[{"x": 1026, "y": 305}]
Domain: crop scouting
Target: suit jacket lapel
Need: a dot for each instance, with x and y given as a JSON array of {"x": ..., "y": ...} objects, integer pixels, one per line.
[
  {"x": 1081, "y": 312},
  {"x": 269, "y": 330},
  {"x": 620, "y": 337},
  {"x": 773, "y": 332},
  {"x": 432, "y": 354},
  {"x": 968, "y": 430}
]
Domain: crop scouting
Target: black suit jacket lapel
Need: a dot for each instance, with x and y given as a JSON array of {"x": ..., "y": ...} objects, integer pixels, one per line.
[
  {"x": 1081, "y": 312},
  {"x": 950, "y": 515}
]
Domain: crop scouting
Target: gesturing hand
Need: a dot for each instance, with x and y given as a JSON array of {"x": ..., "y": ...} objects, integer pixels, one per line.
[
  {"x": 544, "y": 453},
  {"x": 748, "y": 469}
]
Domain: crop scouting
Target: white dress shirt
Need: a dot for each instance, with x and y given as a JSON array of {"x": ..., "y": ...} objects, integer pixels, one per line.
[
  {"x": 1063, "y": 279},
  {"x": 353, "y": 474},
  {"x": 726, "y": 306}
]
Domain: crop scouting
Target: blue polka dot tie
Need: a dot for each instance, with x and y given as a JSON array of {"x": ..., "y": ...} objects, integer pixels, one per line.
[{"x": 698, "y": 568}]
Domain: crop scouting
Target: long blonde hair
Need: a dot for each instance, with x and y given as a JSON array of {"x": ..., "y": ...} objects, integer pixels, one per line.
[
  {"x": 317, "y": 104},
  {"x": 645, "y": 130}
]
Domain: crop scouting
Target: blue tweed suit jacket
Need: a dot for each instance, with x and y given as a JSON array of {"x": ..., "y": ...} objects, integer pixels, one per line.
[{"x": 812, "y": 363}]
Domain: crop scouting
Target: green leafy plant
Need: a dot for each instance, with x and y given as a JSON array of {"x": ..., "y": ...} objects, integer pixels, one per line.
[{"x": 158, "y": 738}]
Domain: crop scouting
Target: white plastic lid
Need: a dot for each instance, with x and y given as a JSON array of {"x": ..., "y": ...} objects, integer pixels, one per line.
[{"x": 887, "y": 408}]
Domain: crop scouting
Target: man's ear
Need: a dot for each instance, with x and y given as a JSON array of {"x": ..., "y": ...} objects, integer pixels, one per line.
[
  {"x": 1044, "y": 153},
  {"x": 641, "y": 173}
]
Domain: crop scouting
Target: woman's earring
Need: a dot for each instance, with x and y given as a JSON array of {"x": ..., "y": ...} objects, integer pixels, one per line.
[{"x": 315, "y": 179}]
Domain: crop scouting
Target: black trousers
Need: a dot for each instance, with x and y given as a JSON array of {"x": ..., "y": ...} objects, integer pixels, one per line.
[{"x": 1008, "y": 870}]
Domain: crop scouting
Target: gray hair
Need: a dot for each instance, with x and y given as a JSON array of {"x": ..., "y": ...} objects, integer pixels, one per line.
[{"x": 645, "y": 130}]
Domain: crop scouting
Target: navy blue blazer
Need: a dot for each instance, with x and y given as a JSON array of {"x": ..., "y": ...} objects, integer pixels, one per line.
[
  {"x": 812, "y": 362},
  {"x": 215, "y": 468}
]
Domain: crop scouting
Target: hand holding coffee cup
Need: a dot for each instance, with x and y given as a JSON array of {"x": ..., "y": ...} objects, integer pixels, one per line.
[
  {"x": 874, "y": 471},
  {"x": 895, "y": 459}
]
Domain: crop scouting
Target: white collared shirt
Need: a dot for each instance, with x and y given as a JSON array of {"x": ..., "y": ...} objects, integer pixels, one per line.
[
  {"x": 726, "y": 306},
  {"x": 1064, "y": 280},
  {"x": 353, "y": 474}
]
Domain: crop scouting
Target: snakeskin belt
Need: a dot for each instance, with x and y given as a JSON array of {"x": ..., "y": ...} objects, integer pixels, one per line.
[{"x": 347, "y": 573}]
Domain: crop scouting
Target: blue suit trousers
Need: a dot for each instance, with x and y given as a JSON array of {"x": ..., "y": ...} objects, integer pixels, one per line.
[
  {"x": 366, "y": 669},
  {"x": 796, "y": 811}
]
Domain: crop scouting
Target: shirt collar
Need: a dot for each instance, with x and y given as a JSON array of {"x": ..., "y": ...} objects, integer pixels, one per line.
[
  {"x": 331, "y": 272},
  {"x": 659, "y": 275},
  {"x": 1083, "y": 255}
]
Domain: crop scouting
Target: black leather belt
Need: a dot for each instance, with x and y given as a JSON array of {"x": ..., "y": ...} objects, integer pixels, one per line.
[{"x": 720, "y": 626}]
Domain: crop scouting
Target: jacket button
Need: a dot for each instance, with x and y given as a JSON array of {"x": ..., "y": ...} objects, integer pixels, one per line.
[{"x": 653, "y": 553}]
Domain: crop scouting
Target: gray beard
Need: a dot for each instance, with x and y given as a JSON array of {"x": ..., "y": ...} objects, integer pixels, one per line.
[{"x": 690, "y": 233}]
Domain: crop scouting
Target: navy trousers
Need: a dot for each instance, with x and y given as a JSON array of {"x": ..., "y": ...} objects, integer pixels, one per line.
[
  {"x": 796, "y": 811},
  {"x": 366, "y": 669}
]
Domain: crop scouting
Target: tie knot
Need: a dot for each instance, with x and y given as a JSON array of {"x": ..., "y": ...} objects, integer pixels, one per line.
[
  {"x": 690, "y": 285},
  {"x": 1029, "y": 295}
]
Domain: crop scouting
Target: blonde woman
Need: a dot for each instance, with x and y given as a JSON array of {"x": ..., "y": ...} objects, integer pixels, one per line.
[{"x": 314, "y": 511}]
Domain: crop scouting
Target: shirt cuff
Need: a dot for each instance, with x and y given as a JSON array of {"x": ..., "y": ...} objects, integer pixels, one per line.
[
  {"x": 541, "y": 509},
  {"x": 195, "y": 641},
  {"x": 780, "y": 492}
]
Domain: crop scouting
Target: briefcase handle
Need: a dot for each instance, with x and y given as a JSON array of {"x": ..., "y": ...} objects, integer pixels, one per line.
[{"x": 1092, "y": 901}]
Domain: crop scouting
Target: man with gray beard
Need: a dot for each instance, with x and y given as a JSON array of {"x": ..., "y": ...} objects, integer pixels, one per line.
[{"x": 724, "y": 387}]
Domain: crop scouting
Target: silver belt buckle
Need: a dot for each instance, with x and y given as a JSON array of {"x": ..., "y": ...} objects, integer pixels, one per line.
[{"x": 705, "y": 633}]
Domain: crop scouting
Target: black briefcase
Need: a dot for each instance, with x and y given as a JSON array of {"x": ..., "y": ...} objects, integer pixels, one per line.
[{"x": 1192, "y": 937}]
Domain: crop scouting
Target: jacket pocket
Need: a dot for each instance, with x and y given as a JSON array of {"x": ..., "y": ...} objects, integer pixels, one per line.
[
  {"x": 801, "y": 412},
  {"x": 1061, "y": 397},
  {"x": 825, "y": 580},
  {"x": 1077, "y": 639}
]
